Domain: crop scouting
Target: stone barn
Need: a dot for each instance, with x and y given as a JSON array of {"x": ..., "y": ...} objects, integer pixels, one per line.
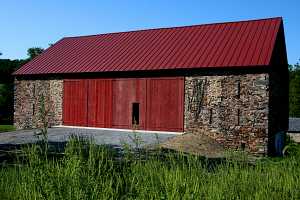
[{"x": 228, "y": 81}]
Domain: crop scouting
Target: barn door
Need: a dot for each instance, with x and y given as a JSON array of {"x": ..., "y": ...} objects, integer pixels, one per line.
[
  {"x": 129, "y": 103},
  {"x": 150, "y": 103},
  {"x": 75, "y": 102},
  {"x": 165, "y": 99},
  {"x": 99, "y": 103}
]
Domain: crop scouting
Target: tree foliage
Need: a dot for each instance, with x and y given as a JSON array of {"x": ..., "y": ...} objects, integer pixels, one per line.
[
  {"x": 7, "y": 67},
  {"x": 34, "y": 51},
  {"x": 294, "y": 90}
]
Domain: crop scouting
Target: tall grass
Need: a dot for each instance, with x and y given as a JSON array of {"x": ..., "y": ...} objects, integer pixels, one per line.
[
  {"x": 6, "y": 128},
  {"x": 88, "y": 171}
]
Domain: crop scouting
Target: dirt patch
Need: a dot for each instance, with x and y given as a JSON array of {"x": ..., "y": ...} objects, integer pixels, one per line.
[{"x": 198, "y": 144}]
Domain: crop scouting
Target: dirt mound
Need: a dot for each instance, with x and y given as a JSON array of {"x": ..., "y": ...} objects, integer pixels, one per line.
[{"x": 198, "y": 144}]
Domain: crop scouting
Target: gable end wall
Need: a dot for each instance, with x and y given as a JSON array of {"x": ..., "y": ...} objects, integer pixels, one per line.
[{"x": 213, "y": 107}]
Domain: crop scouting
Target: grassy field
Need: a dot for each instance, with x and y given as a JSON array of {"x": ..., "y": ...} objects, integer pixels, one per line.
[
  {"x": 87, "y": 171},
  {"x": 5, "y": 128}
]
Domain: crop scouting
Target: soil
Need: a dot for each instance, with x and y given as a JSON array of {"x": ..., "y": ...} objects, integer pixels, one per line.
[{"x": 197, "y": 144}]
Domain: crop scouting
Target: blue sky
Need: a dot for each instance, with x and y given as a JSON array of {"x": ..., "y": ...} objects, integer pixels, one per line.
[{"x": 31, "y": 23}]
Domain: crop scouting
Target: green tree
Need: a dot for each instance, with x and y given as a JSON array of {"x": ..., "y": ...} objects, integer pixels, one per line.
[
  {"x": 7, "y": 67},
  {"x": 294, "y": 93},
  {"x": 34, "y": 51}
]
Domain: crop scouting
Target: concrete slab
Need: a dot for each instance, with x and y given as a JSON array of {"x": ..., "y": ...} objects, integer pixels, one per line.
[{"x": 100, "y": 136}]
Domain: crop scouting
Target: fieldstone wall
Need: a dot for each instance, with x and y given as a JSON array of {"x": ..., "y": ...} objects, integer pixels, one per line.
[
  {"x": 28, "y": 97},
  {"x": 232, "y": 109}
]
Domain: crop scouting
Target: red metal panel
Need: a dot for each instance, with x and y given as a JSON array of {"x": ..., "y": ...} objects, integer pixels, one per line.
[
  {"x": 267, "y": 42},
  {"x": 145, "y": 52},
  {"x": 108, "y": 102},
  {"x": 131, "y": 52},
  {"x": 141, "y": 98},
  {"x": 268, "y": 55},
  {"x": 247, "y": 44},
  {"x": 252, "y": 47},
  {"x": 187, "y": 47},
  {"x": 210, "y": 35},
  {"x": 125, "y": 93},
  {"x": 160, "y": 102},
  {"x": 165, "y": 99},
  {"x": 99, "y": 102},
  {"x": 260, "y": 43},
  {"x": 203, "y": 35},
  {"x": 163, "y": 59},
  {"x": 75, "y": 102},
  {"x": 233, "y": 42},
  {"x": 217, "y": 45},
  {"x": 123, "y": 96},
  {"x": 216, "y": 59}
]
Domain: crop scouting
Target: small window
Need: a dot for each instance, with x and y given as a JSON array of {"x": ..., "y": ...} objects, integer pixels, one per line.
[
  {"x": 210, "y": 116},
  {"x": 135, "y": 114},
  {"x": 238, "y": 92},
  {"x": 33, "y": 90},
  {"x": 33, "y": 109}
]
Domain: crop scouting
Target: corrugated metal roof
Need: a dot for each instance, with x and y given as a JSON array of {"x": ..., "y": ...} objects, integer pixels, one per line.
[{"x": 232, "y": 44}]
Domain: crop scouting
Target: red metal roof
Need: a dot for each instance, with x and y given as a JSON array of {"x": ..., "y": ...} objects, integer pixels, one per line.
[{"x": 232, "y": 44}]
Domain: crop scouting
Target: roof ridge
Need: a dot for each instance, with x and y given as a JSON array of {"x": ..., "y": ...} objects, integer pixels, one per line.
[{"x": 173, "y": 27}]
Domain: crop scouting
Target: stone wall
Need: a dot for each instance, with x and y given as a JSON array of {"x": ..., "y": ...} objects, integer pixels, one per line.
[
  {"x": 28, "y": 96},
  {"x": 232, "y": 109}
]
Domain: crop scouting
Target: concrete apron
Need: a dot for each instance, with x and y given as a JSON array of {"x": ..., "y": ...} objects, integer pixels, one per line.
[{"x": 121, "y": 130}]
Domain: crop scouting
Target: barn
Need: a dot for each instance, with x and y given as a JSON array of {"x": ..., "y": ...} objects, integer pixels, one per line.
[{"x": 228, "y": 81}]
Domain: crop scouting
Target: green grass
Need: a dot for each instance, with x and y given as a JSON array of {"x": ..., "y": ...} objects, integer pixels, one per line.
[
  {"x": 87, "y": 171},
  {"x": 6, "y": 128}
]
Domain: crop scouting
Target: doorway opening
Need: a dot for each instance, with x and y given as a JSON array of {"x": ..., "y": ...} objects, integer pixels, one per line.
[{"x": 135, "y": 113}]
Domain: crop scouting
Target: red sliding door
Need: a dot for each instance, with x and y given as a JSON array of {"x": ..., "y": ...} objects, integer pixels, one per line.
[
  {"x": 129, "y": 94},
  {"x": 75, "y": 102},
  {"x": 99, "y": 102},
  {"x": 165, "y": 100},
  {"x": 150, "y": 103}
]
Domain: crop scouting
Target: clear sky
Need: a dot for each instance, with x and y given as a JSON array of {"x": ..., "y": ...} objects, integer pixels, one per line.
[{"x": 32, "y": 23}]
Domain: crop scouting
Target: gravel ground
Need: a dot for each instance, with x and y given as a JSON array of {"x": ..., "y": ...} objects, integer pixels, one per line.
[
  {"x": 109, "y": 137},
  {"x": 195, "y": 144}
]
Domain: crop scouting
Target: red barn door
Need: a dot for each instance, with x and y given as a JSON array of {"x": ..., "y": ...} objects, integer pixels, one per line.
[
  {"x": 151, "y": 103},
  {"x": 165, "y": 99},
  {"x": 75, "y": 102},
  {"x": 128, "y": 94},
  {"x": 99, "y": 102}
]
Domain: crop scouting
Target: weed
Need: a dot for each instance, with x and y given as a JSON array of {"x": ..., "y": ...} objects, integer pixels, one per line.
[{"x": 89, "y": 171}]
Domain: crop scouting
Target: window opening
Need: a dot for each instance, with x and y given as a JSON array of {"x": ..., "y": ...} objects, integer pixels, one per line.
[
  {"x": 210, "y": 115},
  {"x": 238, "y": 93},
  {"x": 135, "y": 114}
]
